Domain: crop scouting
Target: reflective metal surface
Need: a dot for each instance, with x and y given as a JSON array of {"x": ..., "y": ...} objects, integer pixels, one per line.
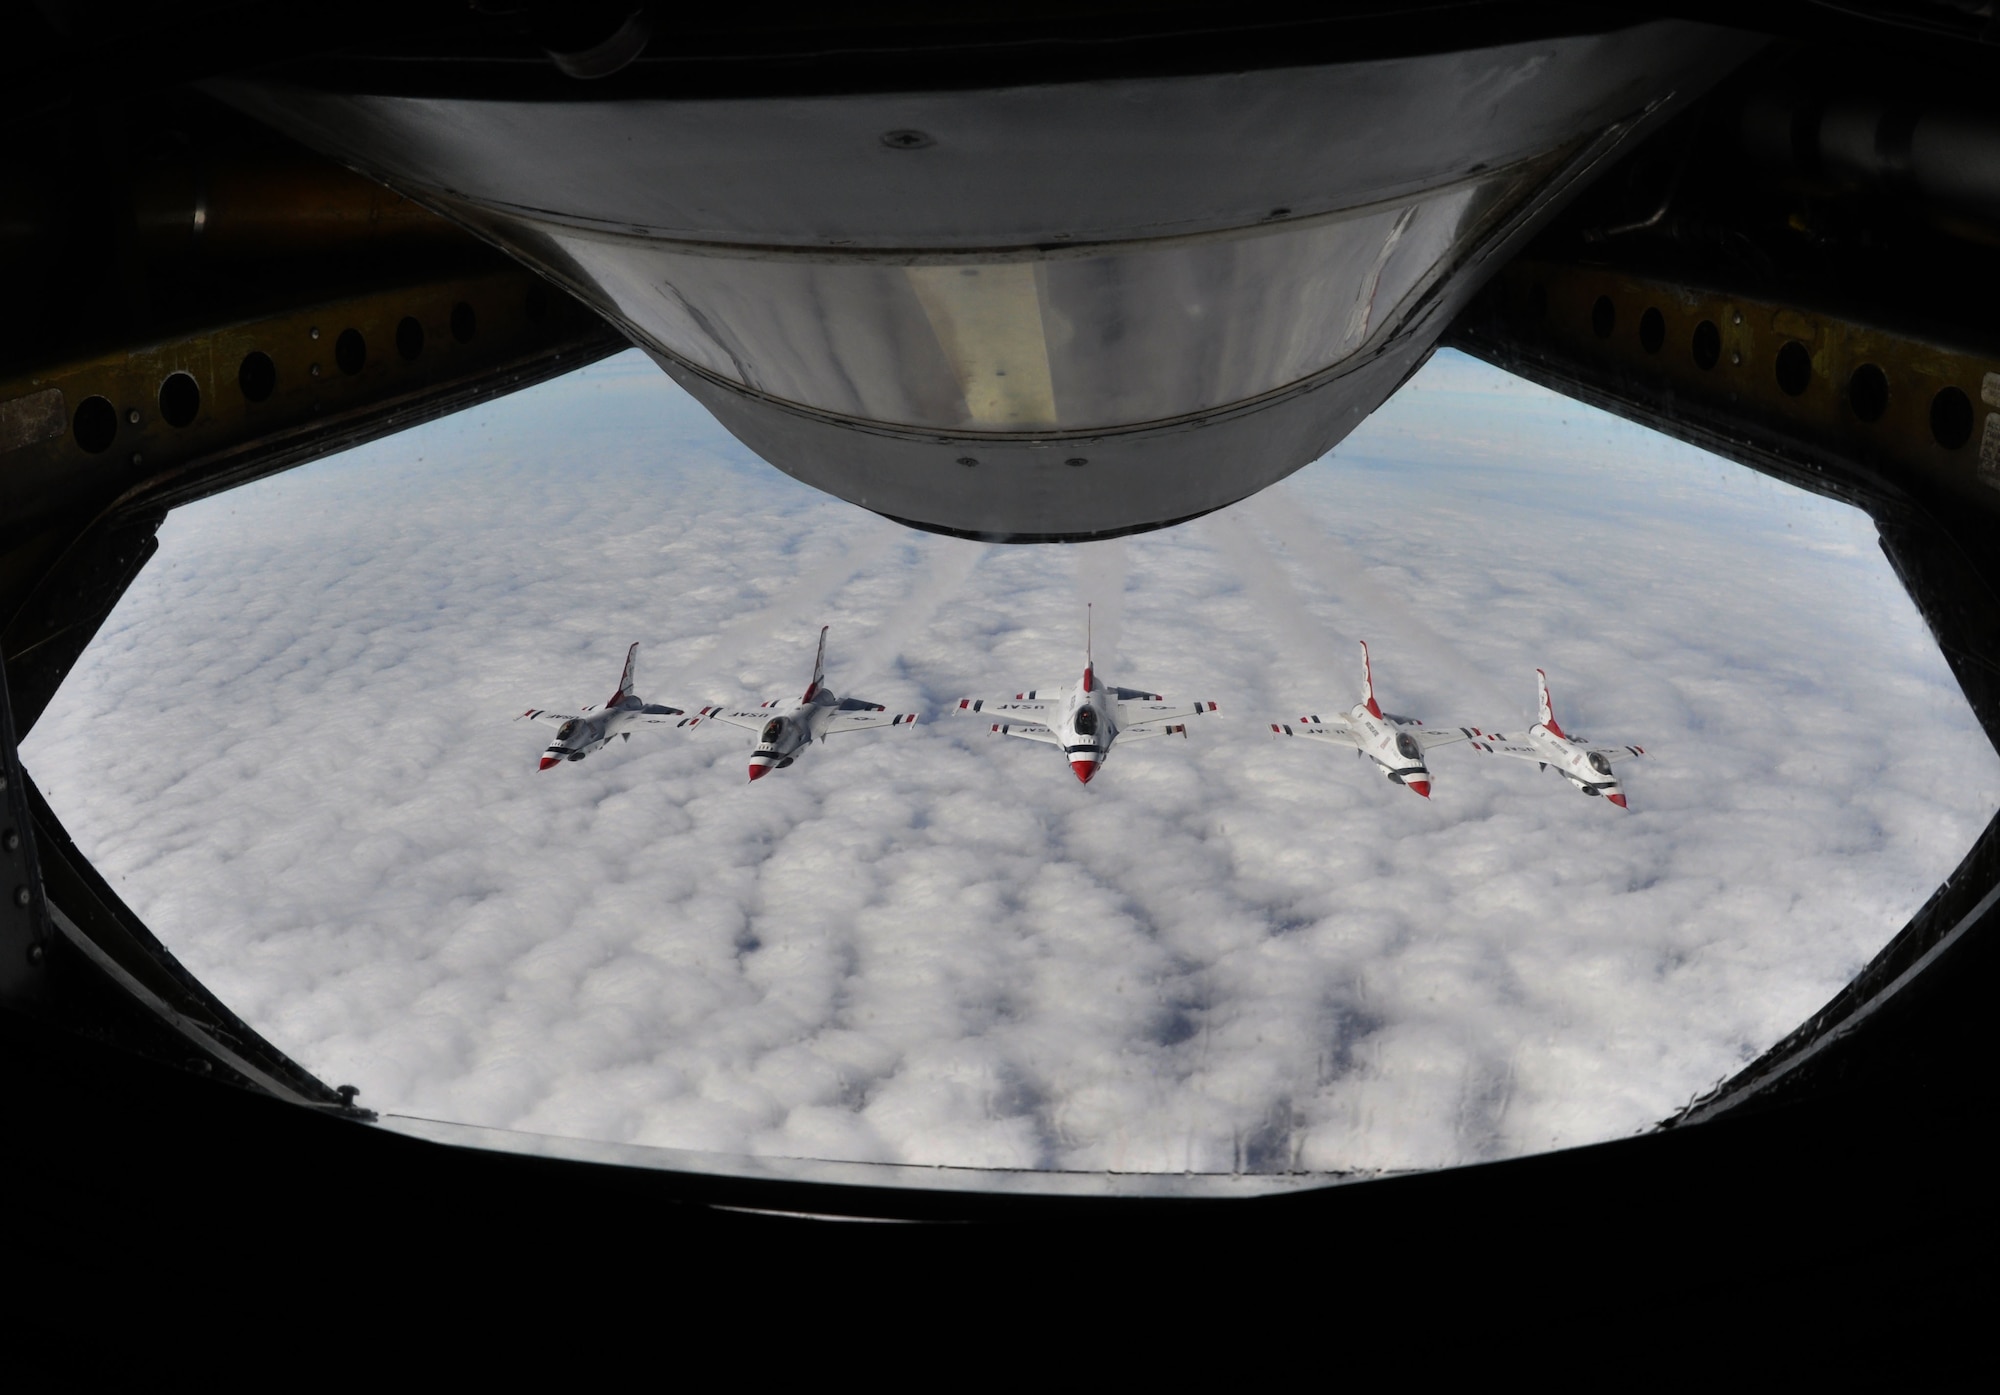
[{"x": 992, "y": 312}]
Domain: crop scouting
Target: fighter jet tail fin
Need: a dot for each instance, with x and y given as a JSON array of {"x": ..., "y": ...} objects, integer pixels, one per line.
[
  {"x": 625, "y": 678},
  {"x": 1368, "y": 684},
  {"x": 1548, "y": 713},
  {"x": 1089, "y": 664},
  {"x": 819, "y": 666}
]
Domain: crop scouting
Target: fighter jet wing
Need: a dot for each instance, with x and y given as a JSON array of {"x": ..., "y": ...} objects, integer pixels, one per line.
[
  {"x": 1145, "y": 714},
  {"x": 749, "y": 718},
  {"x": 660, "y": 712},
  {"x": 1495, "y": 744},
  {"x": 1441, "y": 736},
  {"x": 861, "y": 716},
  {"x": 1027, "y": 733},
  {"x": 1022, "y": 707},
  {"x": 1336, "y": 731},
  {"x": 554, "y": 719},
  {"x": 1145, "y": 733},
  {"x": 1615, "y": 753}
]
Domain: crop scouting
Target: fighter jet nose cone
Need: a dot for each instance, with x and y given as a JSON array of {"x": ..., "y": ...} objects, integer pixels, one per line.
[
  {"x": 548, "y": 761},
  {"x": 1084, "y": 769},
  {"x": 1422, "y": 787},
  {"x": 758, "y": 772},
  {"x": 1619, "y": 800}
]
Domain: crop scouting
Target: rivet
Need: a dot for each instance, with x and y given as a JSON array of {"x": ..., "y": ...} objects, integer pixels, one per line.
[
  {"x": 315, "y": 370},
  {"x": 967, "y": 460},
  {"x": 138, "y": 459},
  {"x": 905, "y": 140},
  {"x": 1737, "y": 318},
  {"x": 313, "y": 333},
  {"x": 22, "y": 896},
  {"x": 34, "y": 954},
  {"x": 133, "y": 416},
  {"x": 1077, "y": 460},
  {"x": 1736, "y": 357},
  {"x": 3, "y": 782},
  {"x": 10, "y": 840}
]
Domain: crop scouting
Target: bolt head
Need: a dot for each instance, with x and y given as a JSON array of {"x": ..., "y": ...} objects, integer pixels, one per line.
[{"x": 22, "y": 896}]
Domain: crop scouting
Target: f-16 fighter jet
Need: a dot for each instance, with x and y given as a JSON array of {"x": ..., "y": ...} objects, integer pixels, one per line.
[
  {"x": 781, "y": 735},
  {"x": 578, "y": 734},
  {"x": 1575, "y": 759},
  {"x": 1087, "y": 720},
  {"x": 1396, "y": 744}
]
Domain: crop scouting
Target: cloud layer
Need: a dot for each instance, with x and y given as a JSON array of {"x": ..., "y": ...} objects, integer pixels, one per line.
[{"x": 290, "y": 749}]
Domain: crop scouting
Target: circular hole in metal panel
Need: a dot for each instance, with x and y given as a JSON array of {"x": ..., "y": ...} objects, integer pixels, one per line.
[
  {"x": 1794, "y": 368},
  {"x": 95, "y": 423},
  {"x": 1604, "y": 317},
  {"x": 258, "y": 376},
  {"x": 1652, "y": 330},
  {"x": 1951, "y": 418},
  {"x": 350, "y": 351},
  {"x": 180, "y": 399},
  {"x": 1868, "y": 392},
  {"x": 1707, "y": 345}
]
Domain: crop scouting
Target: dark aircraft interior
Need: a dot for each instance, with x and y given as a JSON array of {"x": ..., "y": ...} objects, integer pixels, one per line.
[{"x": 238, "y": 236}]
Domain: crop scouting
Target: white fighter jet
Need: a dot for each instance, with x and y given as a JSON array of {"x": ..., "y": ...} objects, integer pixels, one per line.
[
  {"x": 1575, "y": 759},
  {"x": 1396, "y": 744},
  {"x": 782, "y": 735},
  {"x": 1087, "y": 720},
  {"x": 580, "y": 733}
]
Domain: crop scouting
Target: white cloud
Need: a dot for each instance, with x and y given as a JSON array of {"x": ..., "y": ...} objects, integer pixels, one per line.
[{"x": 290, "y": 750}]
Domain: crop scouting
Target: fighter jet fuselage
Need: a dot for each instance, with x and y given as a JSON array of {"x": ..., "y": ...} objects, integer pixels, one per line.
[
  {"x": 782, "y": 733},
  {"x": 1087, "y": 721},
  {"x": 579, "y": 734},
  {"x": 1396, "y": 744},
  {"x": 1586, "y": 767}
]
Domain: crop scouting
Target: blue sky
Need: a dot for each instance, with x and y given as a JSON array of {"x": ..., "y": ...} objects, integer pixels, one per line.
[{"x": 291, "y": 750}]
